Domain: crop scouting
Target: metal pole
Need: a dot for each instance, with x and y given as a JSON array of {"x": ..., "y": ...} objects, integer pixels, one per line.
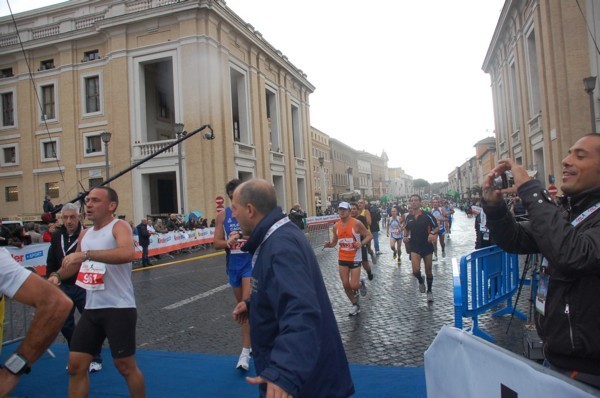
[
  {"x": 180, "y": 158},
  {"x": 323, "y": 191},
  {"x": 351, "y": 178},
  {"x": 208, "y": 136},
  {"x": 107, "y": 180},
  {"x": 593, "y": 112}
]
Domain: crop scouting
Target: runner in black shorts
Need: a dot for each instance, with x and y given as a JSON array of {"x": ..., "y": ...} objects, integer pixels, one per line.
[
  {"x": 118, "y": 327},
  {"x": 349, "y": 233},
  {"x": 355, "y": 212},
  {"x": 102, "y": 263},
  {"x": 422, "y": 228},
  {"x": 364, "y": 250}
]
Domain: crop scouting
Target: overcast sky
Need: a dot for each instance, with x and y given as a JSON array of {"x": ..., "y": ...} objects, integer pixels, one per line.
[{"x": 394, "y": 75}]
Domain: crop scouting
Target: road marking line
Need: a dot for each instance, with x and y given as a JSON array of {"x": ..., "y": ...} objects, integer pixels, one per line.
[
  {"x": 197, "y": 297},
  {"x": 179, "y": 261}
]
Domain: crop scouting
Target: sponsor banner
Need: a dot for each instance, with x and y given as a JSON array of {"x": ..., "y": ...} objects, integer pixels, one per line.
[
  {"x": 322, "y": 219},
  {"x": 175, "y": 240},
  {"x": 31, "y": 256},
  {"x": 458, "y": 364},
  {"x": 35, "y": 255}
]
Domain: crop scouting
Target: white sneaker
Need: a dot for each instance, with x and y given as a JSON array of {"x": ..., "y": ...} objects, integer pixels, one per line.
[
  {"x": 422, "y": 287},
  {"x": 95, "y": 367},
  {"x": 355, "y": 310},
  {"x": 373, "y": 258},
  {"x": 244, "y": 361},
  {"x": 363, "y": 288},
  {"x": 429, "y": 297},
  {"x": 435, "y": 257}
]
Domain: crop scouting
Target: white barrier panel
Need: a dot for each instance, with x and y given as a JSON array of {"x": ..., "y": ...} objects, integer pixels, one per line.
[
  {"x": 31, "y": 256},
  {"x": 176, "y": 240},
  {"x": 322, "y": 219},
  {"x": 35, "y": 255},
  {"x": 459, "y": 364}
]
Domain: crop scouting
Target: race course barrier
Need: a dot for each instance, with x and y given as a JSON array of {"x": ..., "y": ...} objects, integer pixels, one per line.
[
  {"x": 35, "y": 255},
  {"x": 317, "y": 229},
  {"x": 485, "y": 278}
]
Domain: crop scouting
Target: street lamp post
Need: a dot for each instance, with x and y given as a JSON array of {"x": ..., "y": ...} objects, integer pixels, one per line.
[
  {"x": 179, "y": 131},
  {"x": 589, "y": 84},
  {"x": 105, "y": 136},
  {"x": 351, "y": 180},
  {"x": 323, "y": 186}
]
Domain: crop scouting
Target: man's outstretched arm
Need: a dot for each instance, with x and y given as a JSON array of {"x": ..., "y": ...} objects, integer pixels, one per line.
[{"x": 52, "y": 307}]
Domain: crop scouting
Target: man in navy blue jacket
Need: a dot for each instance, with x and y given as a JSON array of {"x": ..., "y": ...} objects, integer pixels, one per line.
[{"x": 296, "y": 343}]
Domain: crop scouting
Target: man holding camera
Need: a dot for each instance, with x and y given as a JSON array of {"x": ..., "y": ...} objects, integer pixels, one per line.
[{"x": 568, "y": 309}]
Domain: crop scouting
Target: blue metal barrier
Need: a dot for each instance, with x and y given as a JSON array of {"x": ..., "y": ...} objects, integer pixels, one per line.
[{"x": 484, "y": 279}]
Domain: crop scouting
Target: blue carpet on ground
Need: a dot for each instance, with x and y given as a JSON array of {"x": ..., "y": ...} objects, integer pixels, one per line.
[{"x": 176, "y": 374}]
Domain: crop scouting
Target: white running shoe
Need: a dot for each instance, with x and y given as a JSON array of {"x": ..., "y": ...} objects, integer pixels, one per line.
[
  {"x": 94, "y": 367},
  {"x": 422, "y": 287},
  {"x": 244, "y": 361},
  {"x": 373, "y": 258},
  {"x": 363, "y": 287},
  {"x": 355, "y": 310},
  {"x": 429, "y": 297}
]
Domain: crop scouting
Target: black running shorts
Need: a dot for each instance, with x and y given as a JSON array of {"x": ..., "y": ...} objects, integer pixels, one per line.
[
  {"x": 116, "y": 324},
  {"x": 349, "y": 264}
]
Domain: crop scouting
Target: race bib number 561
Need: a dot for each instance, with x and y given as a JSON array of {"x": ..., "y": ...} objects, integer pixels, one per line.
[{"x": 91, "y": 275}]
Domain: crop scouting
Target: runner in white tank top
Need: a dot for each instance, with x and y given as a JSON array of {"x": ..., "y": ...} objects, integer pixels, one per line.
[
  {"x": 395, "y": 233},
  {"x": 102, "y": 263}
]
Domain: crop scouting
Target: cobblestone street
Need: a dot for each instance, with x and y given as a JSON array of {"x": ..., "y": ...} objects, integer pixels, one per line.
[{"x": 186, "y": 305}]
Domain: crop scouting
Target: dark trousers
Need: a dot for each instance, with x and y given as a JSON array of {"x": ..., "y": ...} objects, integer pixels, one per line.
[
  {"x": 376, "y": 240},
  {"x": 145, "y": 259},
  {"x": 76, "y": 294}
]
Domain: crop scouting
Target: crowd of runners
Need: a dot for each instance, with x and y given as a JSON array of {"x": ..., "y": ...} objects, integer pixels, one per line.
[{"x": 420, "y": 226}]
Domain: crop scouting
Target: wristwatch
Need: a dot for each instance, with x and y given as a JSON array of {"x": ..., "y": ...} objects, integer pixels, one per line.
[{"x": 17, "y": 365}]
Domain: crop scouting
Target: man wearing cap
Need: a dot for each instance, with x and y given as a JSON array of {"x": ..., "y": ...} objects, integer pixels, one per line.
[{"x": 348, "y": 232}]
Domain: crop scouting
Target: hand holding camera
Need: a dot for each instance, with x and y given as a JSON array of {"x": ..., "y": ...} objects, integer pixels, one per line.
[{"x": 505, "y": 178}]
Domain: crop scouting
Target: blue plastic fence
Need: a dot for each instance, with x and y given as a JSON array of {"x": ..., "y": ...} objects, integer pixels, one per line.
[{"x": 485, "y": 279}]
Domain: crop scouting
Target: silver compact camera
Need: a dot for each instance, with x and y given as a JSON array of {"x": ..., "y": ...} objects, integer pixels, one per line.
[{"x": 501, "y": 182}]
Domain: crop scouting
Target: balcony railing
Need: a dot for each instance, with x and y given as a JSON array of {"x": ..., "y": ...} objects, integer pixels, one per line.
[
  {"x": 71, "y": 21},
  {"x": 535, "y": 124},
  {"x": 244, "y": 150},
  {"x": 88, "y": 21},
  {"x": 46, "y": 31},
  {"x": 144, "y": 149},
  {"x": 277, "y": 157}
]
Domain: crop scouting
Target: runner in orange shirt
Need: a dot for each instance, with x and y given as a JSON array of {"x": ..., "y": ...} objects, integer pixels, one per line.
[{"x": 348, "y": 232}]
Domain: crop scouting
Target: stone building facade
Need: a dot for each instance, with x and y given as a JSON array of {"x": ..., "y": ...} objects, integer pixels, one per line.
[
  {"x": 136, "y": 69},
  {"x": 539, "y": 55}
]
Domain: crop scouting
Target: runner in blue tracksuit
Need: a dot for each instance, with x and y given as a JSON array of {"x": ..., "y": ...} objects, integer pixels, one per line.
[{"x": 296, "y": 343}]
